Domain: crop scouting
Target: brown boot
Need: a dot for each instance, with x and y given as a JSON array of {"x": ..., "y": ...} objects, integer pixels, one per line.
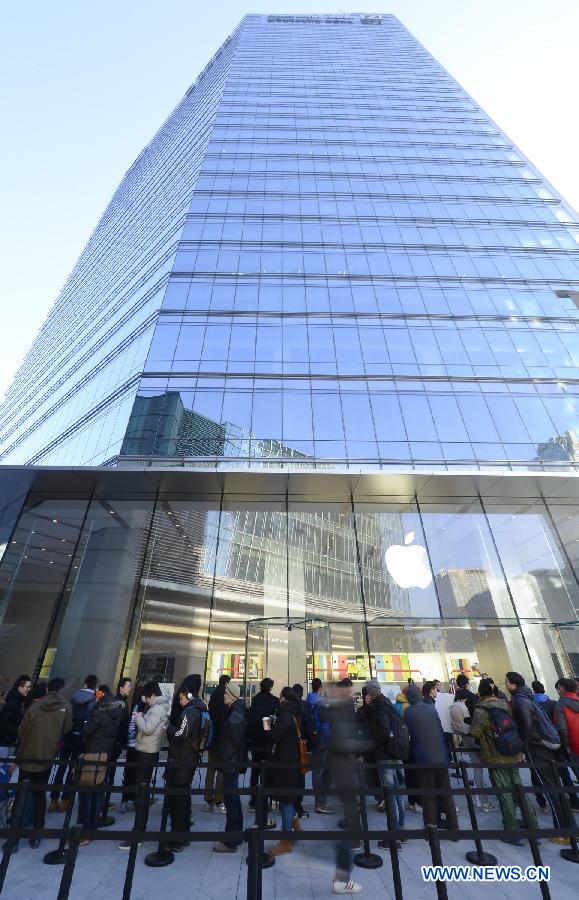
[
  {"x": 53, "y": 807},
  {"x": 280, "y": 848},
  {"x": 63, "y": 806},
  {"x": 296, "y": 824}
]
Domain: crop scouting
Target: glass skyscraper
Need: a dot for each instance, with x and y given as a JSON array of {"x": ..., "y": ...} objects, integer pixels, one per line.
[{"x": 328, "y": 262}]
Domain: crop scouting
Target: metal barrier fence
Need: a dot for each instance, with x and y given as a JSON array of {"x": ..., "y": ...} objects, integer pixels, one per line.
[{"x": 69, "y": 835}]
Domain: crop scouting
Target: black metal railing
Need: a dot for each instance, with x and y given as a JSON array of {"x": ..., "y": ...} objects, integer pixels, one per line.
[{"x": 69, "y": 835}]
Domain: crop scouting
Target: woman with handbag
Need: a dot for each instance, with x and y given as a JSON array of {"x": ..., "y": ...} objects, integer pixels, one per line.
[
  {"x": 283, "y": 733},
  {"x": 98, "y": 742}
]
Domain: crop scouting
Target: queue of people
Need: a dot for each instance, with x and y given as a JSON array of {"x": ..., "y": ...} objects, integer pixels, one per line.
[{"x": 404, "y": 741}]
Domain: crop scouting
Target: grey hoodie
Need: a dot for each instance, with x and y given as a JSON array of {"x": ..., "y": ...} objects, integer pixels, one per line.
[{"x": 151, "y": 726}]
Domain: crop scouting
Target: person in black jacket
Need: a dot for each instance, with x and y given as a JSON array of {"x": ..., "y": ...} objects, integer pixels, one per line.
[
  {"x": 538, "y": 754},
  {"x": 231, "y": 755},
  {"x": 213, "y": 797},
  {"x": 341, "y": 719},
  {"x": 298, "y": 690},
  {"x": 184, "y": 755},
  {"x": 283, "y": 737},
  {"x": 11, "y": 715},
  {"x": 98, "y": 747},
  {"x": 263, "y": 704},
  {"x": 464, "y": 693},
  {"x": 382, "y": 715}
]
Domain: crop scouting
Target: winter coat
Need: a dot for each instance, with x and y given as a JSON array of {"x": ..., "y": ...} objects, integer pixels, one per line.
[
  {"x": 283, "y": 739},
  {"x": 263, "y": 704},
  {"x": 341, "y": 758},
  {"x": 218, "y": 712},
  {"x": 82, "y": 702},
  {"x": 480, "y": 728},
  {"x": 184, "y": 741},
  {"x": 151, "y": 726},
  {"x": 525, "y": 716},
  {"x": 458, "y": 716},
  {"x": 231, "y": 749},
  {"x": 401, "y": 703},
  {"x": 469, "y": 698},
  {"x": 41, "y": 730},
  {"x": 567, "y": 721},
  {"x": 381, "y": 712},
  {"x": 122, "y": 736},
  {"x": 100, "y": 732},
  {"x": 427, "y": 739},
  {"x": 11, "y": 716}
]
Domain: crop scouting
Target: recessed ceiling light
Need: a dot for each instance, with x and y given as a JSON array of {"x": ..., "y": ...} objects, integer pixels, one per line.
[{"x": 55, "y": 521}]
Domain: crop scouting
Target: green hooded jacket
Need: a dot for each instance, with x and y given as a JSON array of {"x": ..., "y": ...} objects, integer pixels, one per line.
[{"x": 41, "y": 731}]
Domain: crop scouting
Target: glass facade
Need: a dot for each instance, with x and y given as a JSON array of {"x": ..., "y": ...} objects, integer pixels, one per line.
[
  {"x": 328, "y": 263},
  {"x": 162, "y": 573},
  {"x": 328, "y": 254}
]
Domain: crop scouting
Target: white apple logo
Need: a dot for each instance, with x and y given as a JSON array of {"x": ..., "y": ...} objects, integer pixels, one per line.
[{"x": 408, "y": 565}]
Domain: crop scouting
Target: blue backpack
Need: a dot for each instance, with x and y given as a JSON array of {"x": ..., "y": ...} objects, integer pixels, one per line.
[
  {"x": 205, "y": 732},
  {"x": 549, "y": 734},
  {"x": 316, "y": 731}
]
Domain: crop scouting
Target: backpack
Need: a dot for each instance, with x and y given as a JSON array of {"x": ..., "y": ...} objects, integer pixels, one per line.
[
  {"x": 547, "y": 731},
  {"x": 316, "y": 731},
  {"x": 398, "y": 741},
  {"x": 506, "y": 737},
  {"x": 205, "y": 737},
  {"x": 80, "y": 714}
]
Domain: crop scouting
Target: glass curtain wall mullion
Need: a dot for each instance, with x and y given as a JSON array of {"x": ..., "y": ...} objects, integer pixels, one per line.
[
  {"x": 134, "y": 618},
  {"x": 59, "y": 609}
]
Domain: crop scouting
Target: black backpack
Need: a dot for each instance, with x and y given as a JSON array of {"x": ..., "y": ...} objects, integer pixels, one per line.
[
  {"x": 80, "y": 714},
  {"x": 398, "y": 741},
  {"x": 506, "y": 735}
]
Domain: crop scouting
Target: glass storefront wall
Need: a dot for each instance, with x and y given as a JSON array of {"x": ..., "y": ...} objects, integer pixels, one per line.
[{"x": 160, "y": 584}]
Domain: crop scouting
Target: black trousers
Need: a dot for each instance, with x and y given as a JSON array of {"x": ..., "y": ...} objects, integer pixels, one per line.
[
  {"x": 180, "y": 804},
  {"x": 129, "y": 775},
  {"x": 146, "y": 763},
  {"x": 38, "y": 797},
  {"x": 257, "y": 756},
  {"x": 547, "y": 776},
  {"x": 431, "y": 804}
]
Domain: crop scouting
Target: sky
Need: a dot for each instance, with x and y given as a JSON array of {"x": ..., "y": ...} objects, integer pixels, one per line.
[{"x": 83, "y": 87}]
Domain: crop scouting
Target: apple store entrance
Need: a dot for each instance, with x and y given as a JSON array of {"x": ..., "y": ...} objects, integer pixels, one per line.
[{"x": 392, "y": 650}]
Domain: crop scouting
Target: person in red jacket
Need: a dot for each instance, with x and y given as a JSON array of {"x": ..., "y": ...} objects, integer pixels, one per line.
[{"x": 566, "y": 718}]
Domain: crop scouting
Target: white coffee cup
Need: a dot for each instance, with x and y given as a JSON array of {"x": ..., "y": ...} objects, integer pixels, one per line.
[{"x": 266, "y": 723}]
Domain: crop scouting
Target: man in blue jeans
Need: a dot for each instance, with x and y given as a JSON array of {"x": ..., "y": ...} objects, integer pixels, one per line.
[
  {"x": 382, "y": 712},
  {"x": 231, "y": 757}
]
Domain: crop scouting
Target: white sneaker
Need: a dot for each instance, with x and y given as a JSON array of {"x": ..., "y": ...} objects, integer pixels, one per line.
[
  {"x": 487, "y": 807},
  {"x": 346, "y": 887},
  {"x": 207, "y": 807},
  {"x": 219, "y": 808}
]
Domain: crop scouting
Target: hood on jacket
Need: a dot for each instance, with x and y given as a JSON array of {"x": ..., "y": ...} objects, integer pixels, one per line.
[
  {"x": 524, "y": 691},
  {"x": 314, "y": 697},
  {"x": 110, "y": 702},
  {"x": 83, "y": 695},
  {"x": 292, "y": 706},
  {"x": 51, "y": 702},
  {"x": 541, "y": 698},
  {"x": 413, "y": 694},
  {"x": 571, "y": 701},
  {"x": 195, "y": 703},
  {"x": 401, "y": 697},
  {"x": 493, "y": 703},
  {"x": 162, "y": 701}
]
